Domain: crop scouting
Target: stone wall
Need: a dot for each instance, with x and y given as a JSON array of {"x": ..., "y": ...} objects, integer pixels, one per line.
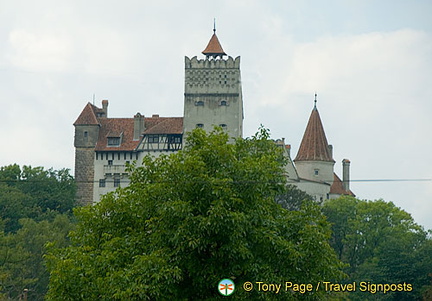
[{"x": 84, "y": 174}]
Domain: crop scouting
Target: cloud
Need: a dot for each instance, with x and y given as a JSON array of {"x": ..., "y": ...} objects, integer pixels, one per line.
[{"x": 32, "y": 51}]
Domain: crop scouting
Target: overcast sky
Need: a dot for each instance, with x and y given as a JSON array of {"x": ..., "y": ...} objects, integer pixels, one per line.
[{"x": 369, "y": 61}]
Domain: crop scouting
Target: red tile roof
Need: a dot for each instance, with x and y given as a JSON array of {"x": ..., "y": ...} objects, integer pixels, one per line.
[
  {"x": 337, "y": 187},
  {"x": 88, "y": 116},
  {"x": 214, "y": 47},
  {"x": 314, "y": 146},
  {"x": 111, "y": 127},
  {"x": 164, "y": 125}
]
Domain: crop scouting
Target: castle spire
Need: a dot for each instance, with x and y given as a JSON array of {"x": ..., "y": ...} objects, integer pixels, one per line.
[
  {"x": 214, "y": 48},
  {"x": 315, "y": 101},
  {"x": 314, "y": 145}
]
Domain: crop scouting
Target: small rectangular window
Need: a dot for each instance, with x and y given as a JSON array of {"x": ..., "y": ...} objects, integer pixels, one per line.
[
  {"x": 200, "y": 125},
  {"x": 199, "y": 103},
  {"x": 102, "y": 183},
  {"x": 116, "y": 182},
  {"x": 110, "y": 162},
  {"x": 153, "y": 138},
  {"x": 113, "y": 141},
  {"x": 316, "y": 172}
]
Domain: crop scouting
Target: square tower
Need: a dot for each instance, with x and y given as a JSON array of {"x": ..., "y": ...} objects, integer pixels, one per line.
[{"x": 213, "y": 94}]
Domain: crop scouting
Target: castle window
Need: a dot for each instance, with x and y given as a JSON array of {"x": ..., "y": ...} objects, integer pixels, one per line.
[
  {"x": 113, "y": 141},
  {"x": 223, "y": 103},
  {"x": 200, "y": 125},
  {"x": 102, "y": 183},
  {"x": 199, "y": 103},
  {"x": 316, "y": 172},
  {"x": 153, "y": 138}
]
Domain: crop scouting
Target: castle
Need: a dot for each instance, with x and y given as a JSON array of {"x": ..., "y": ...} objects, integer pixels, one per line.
[{"x": 212, "y": 96}]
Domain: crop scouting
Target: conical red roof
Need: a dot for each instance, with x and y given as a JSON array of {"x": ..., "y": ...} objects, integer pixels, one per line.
[
  {"x": 214, "y": 47},
  {"x": 314, "y": 146}
]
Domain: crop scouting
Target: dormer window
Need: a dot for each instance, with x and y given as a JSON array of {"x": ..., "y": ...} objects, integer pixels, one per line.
[
  {"x": 113, "y": 141},
  {"x": 199, "y": 103}
]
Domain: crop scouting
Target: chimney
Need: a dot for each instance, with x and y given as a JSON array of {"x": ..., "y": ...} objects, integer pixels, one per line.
[
  {"x": 105, "y": 107},
  {"x": 330, "y": 149},
  {"x": 288, "y": 149},
  {"x": 139, "y": 126},
  {"x": 346, "y": 174}
]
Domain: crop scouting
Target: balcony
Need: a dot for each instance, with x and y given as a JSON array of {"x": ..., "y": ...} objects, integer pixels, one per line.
[{"x": 114, "y": 169}]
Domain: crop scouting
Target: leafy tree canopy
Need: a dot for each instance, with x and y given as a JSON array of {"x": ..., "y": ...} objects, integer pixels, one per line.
[
  {"x": 381, "y": 243},
  {"x": 33, "y": 192},
  {"x": 190, "y": 219},
  {"x": 21, "y": 263}
]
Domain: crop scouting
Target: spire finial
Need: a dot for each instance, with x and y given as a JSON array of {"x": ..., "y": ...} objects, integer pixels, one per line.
[
  {"x": 214, "y": 25},
  {"x": 315, "y": 101}
]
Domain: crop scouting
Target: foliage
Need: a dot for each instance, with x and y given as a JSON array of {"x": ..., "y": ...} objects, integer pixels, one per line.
[
  {"x": 190, "y": 219},
  {"x": 292, "y": 198},
  {"x": 32, "y": 192},
  {"x": 35, "y": 208},
  {"x": 381, "y": 243},
  {"x": 21, "y": 256}
]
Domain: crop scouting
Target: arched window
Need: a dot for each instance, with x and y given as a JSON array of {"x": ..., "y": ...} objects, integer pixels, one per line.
[
  {"x": 200, "y": 125},
  {"x": 199, "y": 103}
]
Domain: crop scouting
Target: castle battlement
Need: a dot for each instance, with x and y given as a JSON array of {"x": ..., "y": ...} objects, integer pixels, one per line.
[{"x": 229, "y": 63}]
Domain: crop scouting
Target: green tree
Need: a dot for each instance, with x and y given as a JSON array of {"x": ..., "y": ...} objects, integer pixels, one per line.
[
  {"x": 190, "y": 219},
  {"x": 381, "y": 243},
  {"x": 33, "y": 192},
  {"x": 21, "y": 256}
]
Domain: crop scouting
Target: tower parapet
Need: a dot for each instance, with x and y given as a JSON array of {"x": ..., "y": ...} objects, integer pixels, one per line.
[{"x": 220, "y": 76}]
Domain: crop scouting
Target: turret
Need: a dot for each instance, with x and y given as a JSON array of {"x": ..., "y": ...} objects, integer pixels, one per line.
[
  {"x": 314, "y": 160},
  {"x": 86, "y": 136}
]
